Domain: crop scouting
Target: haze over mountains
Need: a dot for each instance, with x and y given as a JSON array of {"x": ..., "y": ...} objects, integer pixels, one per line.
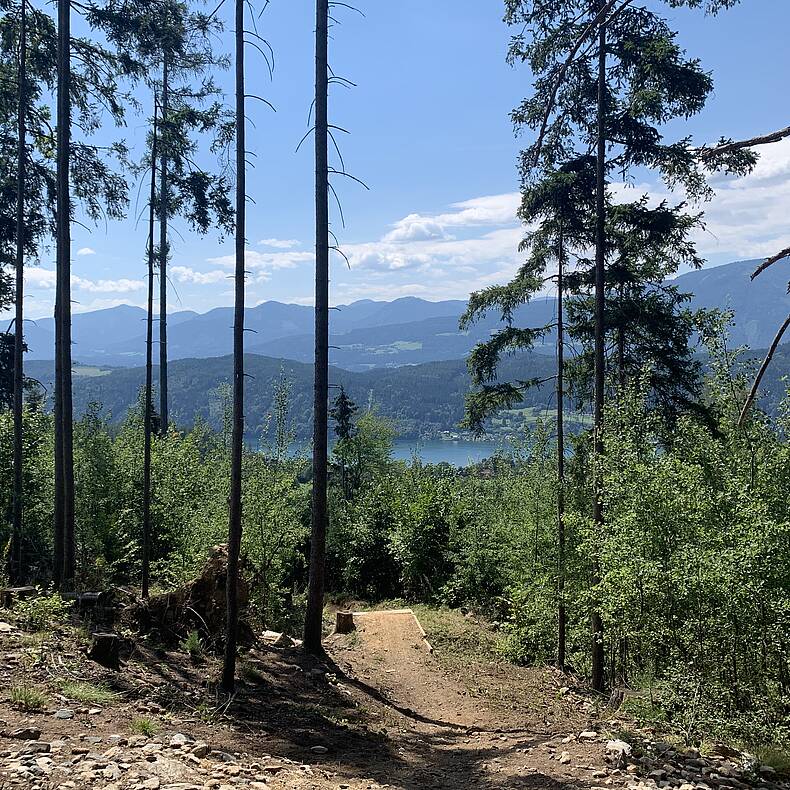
[{"x": 372, "y": 334}]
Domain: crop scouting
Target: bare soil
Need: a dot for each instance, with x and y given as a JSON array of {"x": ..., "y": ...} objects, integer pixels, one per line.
[{"x": 380, "y": 710}]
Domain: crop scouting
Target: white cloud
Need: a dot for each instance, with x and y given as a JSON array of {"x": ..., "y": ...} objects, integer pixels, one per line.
[
  {"x": 186, "y": 275},
  {"x": 415, "y": 228},
  {"x": 266, "y": 260},
  {"x": 36, "y": 277},
  {"x": 44, "y": 279},
  {"x": 484, "y": 211},
  {"x": 121, "y": 286},
  {"x": 279, "y": 244},
  {"x": 86, "y": 251}
]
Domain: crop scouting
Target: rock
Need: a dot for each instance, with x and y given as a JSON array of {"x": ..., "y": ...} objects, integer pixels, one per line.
[
  {"x": 6, "y": 628},
  {"x": 200, "y": 749},
  {"x": 35, "y": 747},
  {"x": 565, "y": 758},
  {"x": 588, "y": 735},
  {"x": 23, "y": 734},
  {"x": 178, "y": 740},
  {"x": 151, "y": 784},
  {"x": 319, "y": 749},
  {"x": 617, "y": 751},
  {"x": 94, "y": 711},
  {"x": 64, "y": 713}
]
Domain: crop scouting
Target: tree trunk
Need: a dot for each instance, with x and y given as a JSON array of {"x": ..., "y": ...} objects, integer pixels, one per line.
[
  {"x": 315, "y": 597},
  {"x": 600, "y": 262},
  {"x": 64, "y": 493},
  {"x": 149, "y": 363},
  {"x": 15, "y": 558},
  {"x": 234, "y": 509},
  {"x": 163, "y": 255},
  {"x": 561, "y": 614}
]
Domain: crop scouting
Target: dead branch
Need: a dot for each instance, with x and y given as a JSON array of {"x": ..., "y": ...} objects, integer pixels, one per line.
[
  {"x": 766, "y": 362},
  {"x": 736, "y": 145},
  {"x": 770, "y": 261}
]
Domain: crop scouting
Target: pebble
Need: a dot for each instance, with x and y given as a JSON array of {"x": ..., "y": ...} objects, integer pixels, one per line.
[{"x": 64, "y": 713}]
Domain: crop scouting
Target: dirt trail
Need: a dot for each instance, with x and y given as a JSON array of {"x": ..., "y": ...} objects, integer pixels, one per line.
[{"x": 379, "y": 711}]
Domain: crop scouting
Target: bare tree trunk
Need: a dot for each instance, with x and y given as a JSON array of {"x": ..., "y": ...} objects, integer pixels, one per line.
[
  {"x": 164, "y": 411},
  {"x": 64, "y": 494},
  {"x": 766, "y": 362},
  {"x": 561, "y": 614},
  {"x": 15, "y": 559},
  {"x": 315, "y": 598},
  {"x": 149, "y": 363},
  {"x": 234, "y": 510},
  {"x": 596, "y": 622}
]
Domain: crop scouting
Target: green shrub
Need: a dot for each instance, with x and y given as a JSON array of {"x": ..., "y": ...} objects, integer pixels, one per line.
[
  {"x": 144, "y": 726},
  {"x": 42, "y": 612},
  {"x": 193, "y": 645}
]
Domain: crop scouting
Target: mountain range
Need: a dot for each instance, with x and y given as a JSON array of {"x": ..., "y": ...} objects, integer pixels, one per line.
[{"x": 370, "y": 334}]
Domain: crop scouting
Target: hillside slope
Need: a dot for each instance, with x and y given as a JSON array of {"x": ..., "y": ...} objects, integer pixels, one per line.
[{"x": 423, "y": 399}]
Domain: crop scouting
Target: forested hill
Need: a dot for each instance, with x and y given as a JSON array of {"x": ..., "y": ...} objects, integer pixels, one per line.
[
  {"x": 372, "y": 334},
  {"x": 422, "y": 399}
]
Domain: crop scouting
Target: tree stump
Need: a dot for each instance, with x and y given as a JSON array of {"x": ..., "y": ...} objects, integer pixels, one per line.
[
  {"x": 344, "y": 622},
  {"x": 105, "y": 650}
]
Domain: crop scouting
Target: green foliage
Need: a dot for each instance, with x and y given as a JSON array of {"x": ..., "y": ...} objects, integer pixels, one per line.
[
  {"x": 193, "y": 645},
  {"x": 144, "y": 726},
  {"x": 42, "y": 612},
  {"x": 28, "y": 698},
  {"x": 87, "y": 692}
]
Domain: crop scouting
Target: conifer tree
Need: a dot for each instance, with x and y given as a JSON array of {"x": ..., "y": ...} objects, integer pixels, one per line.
[
  {"x": 608, "y": 76},
  {"x": 315, "y": 595},
  {"x": 16, "y": 541},
  {"x": 237, "y": 440},
  {"x": 149, "y": 342},
  {"x": 93, "y": 90},
  {"x": 171, "y": 38}
]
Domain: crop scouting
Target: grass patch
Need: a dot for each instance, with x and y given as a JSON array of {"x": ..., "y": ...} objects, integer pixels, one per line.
[
  {"x": 28, "y": 698},
  {"x": 455, "y": 636},
  {"x": 252, "y": 674},
  {"x": 87, "y": 692},
  {"x": 144, "y": 726},
  {"x": 775, "y": 756}
]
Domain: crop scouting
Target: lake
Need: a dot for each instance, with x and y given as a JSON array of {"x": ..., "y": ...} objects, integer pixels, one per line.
[
  {"x": 433, "y": 451},
  {"x": 430, "y": 451}
]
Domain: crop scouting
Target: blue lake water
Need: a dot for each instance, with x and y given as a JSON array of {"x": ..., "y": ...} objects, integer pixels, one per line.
[
  {"x": 431, "y": 451},
  {"x": 434, "y": 451}
]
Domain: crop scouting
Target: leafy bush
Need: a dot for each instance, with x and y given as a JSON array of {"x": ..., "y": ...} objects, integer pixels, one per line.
[
  {"x": 193, "y": 645},
  {"x": 42, "y": 612}
]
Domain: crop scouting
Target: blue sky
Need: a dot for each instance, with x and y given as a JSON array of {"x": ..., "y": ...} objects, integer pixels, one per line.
[{"x": 432, "y": 138}]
